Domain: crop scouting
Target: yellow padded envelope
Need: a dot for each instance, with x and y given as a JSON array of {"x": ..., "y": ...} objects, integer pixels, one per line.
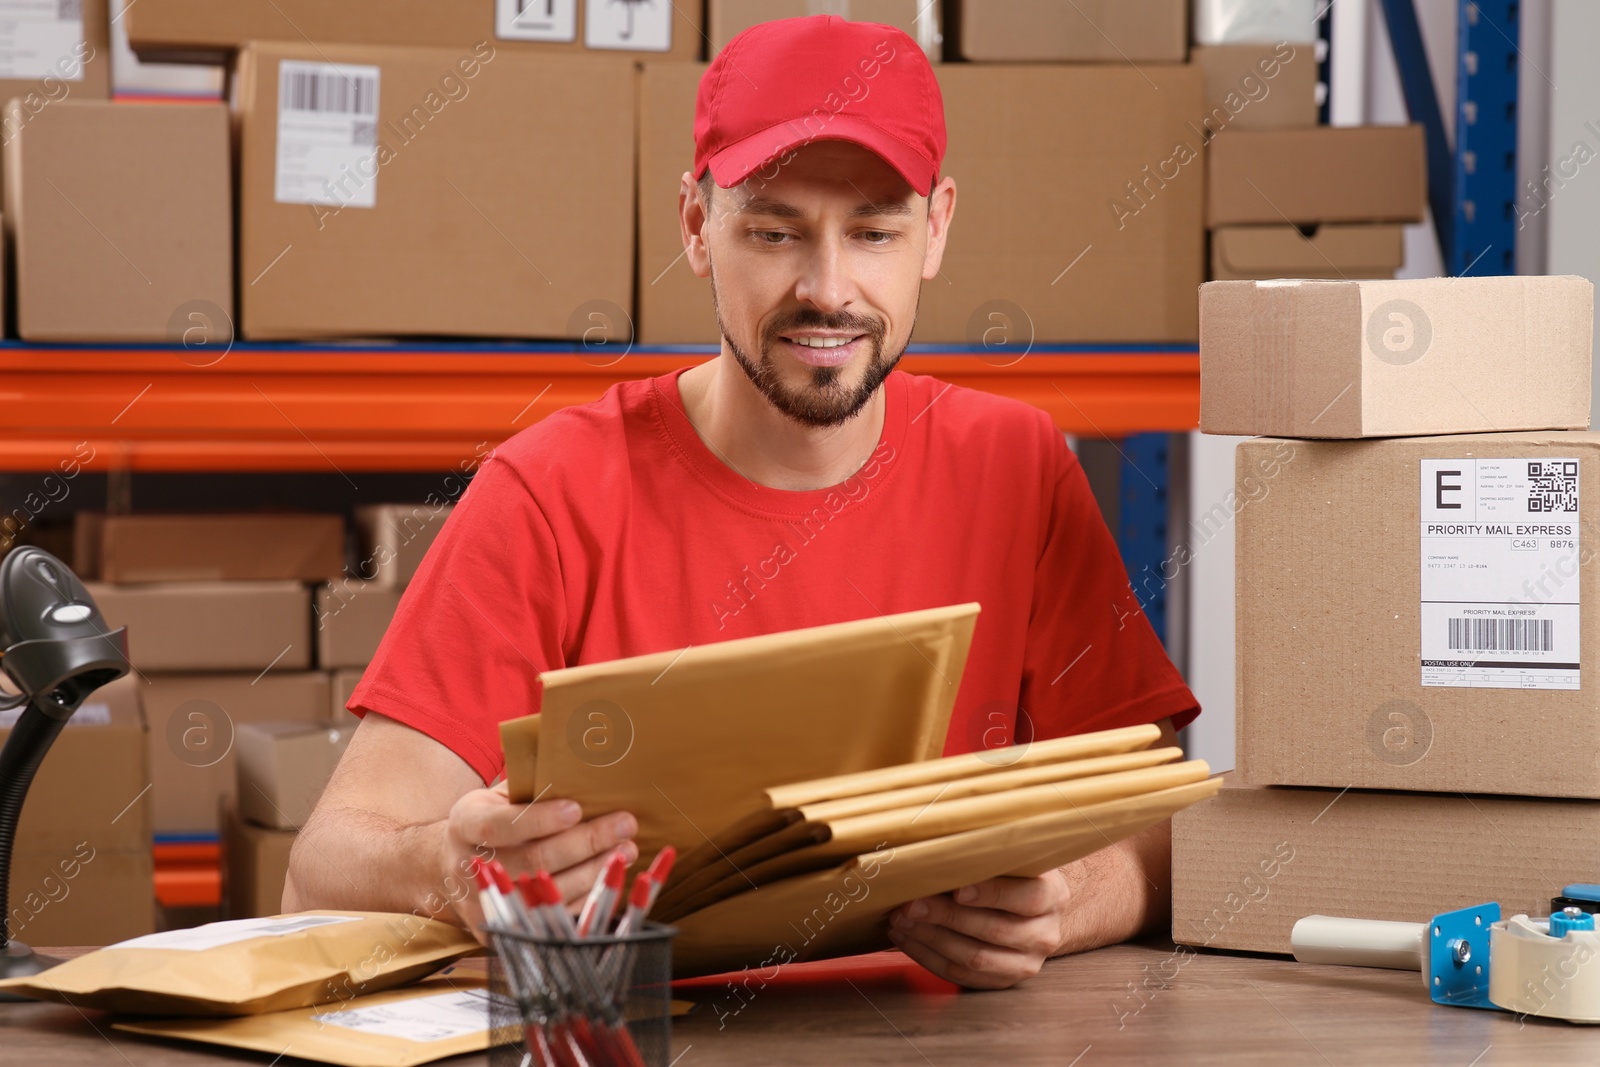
[{"x": 689, "y": 739}]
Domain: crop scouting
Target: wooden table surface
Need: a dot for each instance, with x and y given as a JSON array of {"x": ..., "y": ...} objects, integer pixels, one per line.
[{"x": 1204, "y": 1008}]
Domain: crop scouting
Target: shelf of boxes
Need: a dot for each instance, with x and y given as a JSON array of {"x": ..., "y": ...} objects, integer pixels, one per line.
[{"x": 266, "y": 407}]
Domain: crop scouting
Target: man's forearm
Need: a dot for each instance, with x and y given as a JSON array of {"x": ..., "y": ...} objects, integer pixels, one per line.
[
  {"x": 359, "y": 861},
  {"x": 1120, "y": 892}
]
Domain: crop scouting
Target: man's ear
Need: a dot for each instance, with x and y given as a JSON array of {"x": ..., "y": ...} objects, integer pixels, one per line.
[
  {"x": 694, "y": 224},
  {"x": 941, "y": 209}
]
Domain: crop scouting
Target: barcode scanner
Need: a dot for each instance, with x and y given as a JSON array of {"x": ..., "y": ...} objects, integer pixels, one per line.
[{"x": 56, "y": 649}]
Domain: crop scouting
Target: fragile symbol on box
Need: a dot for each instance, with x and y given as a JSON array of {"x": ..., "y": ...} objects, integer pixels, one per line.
[
  {"x": 327, "y": 134},
  {"x": 536, "y": 20},
  {"x": 633, "y": 25}
]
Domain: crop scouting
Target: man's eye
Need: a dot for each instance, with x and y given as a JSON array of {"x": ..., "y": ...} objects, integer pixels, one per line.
[
  {"x": 771, "y": 237},
  {"x": 878, "y": 237}
]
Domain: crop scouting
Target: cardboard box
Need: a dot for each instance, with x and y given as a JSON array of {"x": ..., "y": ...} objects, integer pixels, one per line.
[
  {"x": 351, "y": 619},
  {"x": 1385, "y": 358},
  {"x": 1347, "y": 251},
  {"x": 330, "y": 242},
  {"x": 81, "y": 895},
  {"x": 394, "y": 538},
  {"x": 918, "y": 19},
  {"x": 674, "y": 303},
  {"x": 103, "y": 250},
  {"x": 1318, "y": 174},
  {"x": 1091, "y": 234},
  {"x": 1257, "y": 86},
  {"x": 343, "y": 686},
  {"x": 284, "y": 766},
  {"x": 255, "y": 865},
  {"x": 209, "y": 30},
  {"x": 194, "y": 722},
  {"x": 1254, "y": 21},
  {"x": 1418, "y": 612},
  {"x": 262, "y": 546},
  {"x": 211, "y": 626},
  {"x": 1250, "y": 862},
  {"x": 104, "y": 744},
  {"x": 1116, "y": 31},
  {"x": 51, "y": 59}
]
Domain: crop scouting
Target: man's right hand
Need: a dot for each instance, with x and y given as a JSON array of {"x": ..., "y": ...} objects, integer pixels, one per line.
[{"x": 548, "y": 834}]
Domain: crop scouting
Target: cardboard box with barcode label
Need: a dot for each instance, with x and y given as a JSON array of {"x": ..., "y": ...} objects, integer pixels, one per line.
[
  {"x": 194, "y": 724},
  {"x": 211, "y": 626},
  {"x": 1250, "y": 862},
  {"x": 284, "y": 766},
  {"x": 1333, "y": 252},
  {"x": 81, "y": 870},
  {"x": 1316, "y": 174},
  {"x": 917, "y": 19},
  {"x": 54, "y": 51},
  {"x": 124, "y": 260},
  {"x": 1420, "y": 613},
  {"x": 208, "y": 31},
  {"x": 1386, "y": 358},
  {"x": 1100, "y": 31},
  {"x": 419, "y": 191}
]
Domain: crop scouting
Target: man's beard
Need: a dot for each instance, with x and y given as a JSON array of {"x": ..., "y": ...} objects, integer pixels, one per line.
[{"x": 828, "y": 401}]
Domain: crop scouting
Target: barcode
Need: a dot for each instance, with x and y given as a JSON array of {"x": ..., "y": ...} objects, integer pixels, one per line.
[
  {"x": 329, "y": 90},
  {"x": 1553, "y": 485},
  {"x": 1502, "y": 635}
]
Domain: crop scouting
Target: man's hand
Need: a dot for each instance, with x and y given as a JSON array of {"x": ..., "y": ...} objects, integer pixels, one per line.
[
  {"x": 991, "y": 935},
  {"x": 548, "y": 834}
]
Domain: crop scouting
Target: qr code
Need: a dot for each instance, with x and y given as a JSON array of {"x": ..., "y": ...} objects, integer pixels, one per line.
[
  {"x": 363, "y": 134},
  {"x": 69, "y": 10},
  {"x": 1553, "y": 485}
]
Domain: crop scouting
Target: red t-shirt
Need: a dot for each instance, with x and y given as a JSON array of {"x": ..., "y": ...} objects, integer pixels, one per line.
[{"x": 611, "y": 530}]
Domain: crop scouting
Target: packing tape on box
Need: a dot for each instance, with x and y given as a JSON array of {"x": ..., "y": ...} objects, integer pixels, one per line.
[{"x": 1533, "y": 973}]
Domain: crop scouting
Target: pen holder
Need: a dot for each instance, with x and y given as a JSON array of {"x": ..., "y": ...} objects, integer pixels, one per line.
[{"x": 600, "y": 1000}]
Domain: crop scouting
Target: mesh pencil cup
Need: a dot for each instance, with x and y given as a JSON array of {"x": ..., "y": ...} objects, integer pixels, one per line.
[{"x": 599, "y": 1000}]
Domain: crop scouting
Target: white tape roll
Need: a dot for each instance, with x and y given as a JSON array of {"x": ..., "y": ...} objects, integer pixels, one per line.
[{"x": 1532, "y": 973}]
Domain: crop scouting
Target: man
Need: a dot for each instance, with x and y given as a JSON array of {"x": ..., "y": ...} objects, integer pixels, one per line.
[{"x": 797, "y": 479}]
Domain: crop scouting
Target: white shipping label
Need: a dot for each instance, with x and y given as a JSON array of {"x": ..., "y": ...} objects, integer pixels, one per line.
[
  {"x": 1500, "y": 573},
  {"x": 92, "y": 714},
  {"x": 433, "y": 1018},
  {"x": 327, "y": 134},
  {"x": 199, "y": 938},
  {"x": 536, "y": 20},
  {"x": 632, "y": 25},
  {"x": 40, "y": 38}
]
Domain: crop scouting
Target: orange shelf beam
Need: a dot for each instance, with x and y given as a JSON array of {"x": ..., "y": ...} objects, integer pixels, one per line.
[{"x": 407, "y": 408}]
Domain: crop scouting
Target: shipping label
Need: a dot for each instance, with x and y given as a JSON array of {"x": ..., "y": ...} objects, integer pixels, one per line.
[
  {"x": 40, "y": 38},
  {"x": 537, "y": 20},
  {"x": 327, "y": 134},
  {"x": 439, "y": 1017},
  {"x": 1500, "y": 573},
  {"x": 229, "y": 931}
]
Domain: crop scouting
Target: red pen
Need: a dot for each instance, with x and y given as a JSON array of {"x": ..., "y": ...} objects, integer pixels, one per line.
[
  {"x": 646, "y": 888},
  {"x": 602, "y": 900}
]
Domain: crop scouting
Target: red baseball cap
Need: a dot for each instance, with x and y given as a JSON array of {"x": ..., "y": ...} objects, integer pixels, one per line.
[{"x": 783, "y": 84}]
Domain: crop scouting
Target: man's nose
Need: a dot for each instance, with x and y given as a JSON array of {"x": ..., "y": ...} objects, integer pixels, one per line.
[{"x": 825, "y": 283}]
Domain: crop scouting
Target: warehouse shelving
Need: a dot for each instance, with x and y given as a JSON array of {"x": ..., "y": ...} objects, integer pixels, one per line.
[{"x": 260, "y": 407}]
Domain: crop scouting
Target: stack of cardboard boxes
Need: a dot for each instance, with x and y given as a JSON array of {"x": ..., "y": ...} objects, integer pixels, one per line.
[
  {"x": 1417, "y": 600},
  {"x": 1287, "y": 198},
  {"x": 81, "y": 868},
  {"x": 283, "y": 766},
  {"x": 218, "y": 612}
]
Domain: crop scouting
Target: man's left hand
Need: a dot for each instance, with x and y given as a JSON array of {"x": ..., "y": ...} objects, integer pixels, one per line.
[{"x": 991, "y": 935}]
